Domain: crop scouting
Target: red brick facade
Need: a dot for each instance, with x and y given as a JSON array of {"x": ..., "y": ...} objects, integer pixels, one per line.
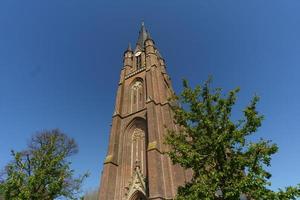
[{"x": 135, "y": 167}]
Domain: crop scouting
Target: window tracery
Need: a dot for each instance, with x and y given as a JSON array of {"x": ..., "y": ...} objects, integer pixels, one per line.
[
  {"x": 137, "y": 97},
  {"x": 137, "y": 134},
  {"x": 136, "y": 188}
]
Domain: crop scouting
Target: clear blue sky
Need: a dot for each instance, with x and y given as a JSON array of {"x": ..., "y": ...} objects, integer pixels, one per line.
[{"x": 60, "y": 62}]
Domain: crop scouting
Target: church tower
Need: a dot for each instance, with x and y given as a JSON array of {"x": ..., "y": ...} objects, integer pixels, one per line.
[{"x": 136, "y": 167}]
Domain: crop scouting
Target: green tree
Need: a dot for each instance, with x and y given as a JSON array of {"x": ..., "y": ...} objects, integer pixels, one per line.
[
  {"x": 43, "y": 170},
  {"x": 1, "y": 192},
  {"x": 225, "y": 164}
]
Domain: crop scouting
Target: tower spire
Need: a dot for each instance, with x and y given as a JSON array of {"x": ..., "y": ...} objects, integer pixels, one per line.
[
  {"x": 129, "y": 47},
  {"x": 148, "y": 36},
  {"x": 142, "y": 35}
]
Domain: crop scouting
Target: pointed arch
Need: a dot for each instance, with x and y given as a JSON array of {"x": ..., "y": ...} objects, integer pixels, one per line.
[
  {"x": 137, "y": 121},
  {"x": 137, "y": 138},
  {"x": 138, "y": 195},
  {"x": 134, "y": 145},
  {"x": 137, "y": 95}
]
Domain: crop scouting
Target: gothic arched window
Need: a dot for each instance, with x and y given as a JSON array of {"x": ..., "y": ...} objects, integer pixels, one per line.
[
  {"x": 138, "y": 62},
  {"x": 136, "y": 96},
  {"x": 138, "y": 148}
]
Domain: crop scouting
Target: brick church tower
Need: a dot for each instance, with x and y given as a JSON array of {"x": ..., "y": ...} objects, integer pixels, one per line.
[{"x": 135, "y": 167}]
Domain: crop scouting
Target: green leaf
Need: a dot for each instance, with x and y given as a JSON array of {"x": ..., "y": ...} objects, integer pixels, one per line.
[{"x": 224, "y": 162}]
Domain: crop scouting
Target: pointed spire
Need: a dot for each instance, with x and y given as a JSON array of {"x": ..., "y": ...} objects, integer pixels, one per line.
[
  {"x": 129, "y": 47},
  {"x": 143, "y": 26},
  {"x": 142, "y": 35},
  {"x": 158, "y": 54},
  {"x": 148, "y": 36}
]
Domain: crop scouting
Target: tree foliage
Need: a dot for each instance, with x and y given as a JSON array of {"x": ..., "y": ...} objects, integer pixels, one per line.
[
  {"x": 43, "y": 170},
  {"x": 1, "y": 192},
  {"x": 225, "y": 164}
]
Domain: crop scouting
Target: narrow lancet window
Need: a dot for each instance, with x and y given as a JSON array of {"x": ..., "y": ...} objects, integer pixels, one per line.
[
  {"x": 137, "y": 97},
  {"x": 138, "y": 62}
]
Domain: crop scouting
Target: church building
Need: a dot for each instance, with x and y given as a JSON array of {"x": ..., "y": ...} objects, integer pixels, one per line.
[{"x": 136, "y": 167}]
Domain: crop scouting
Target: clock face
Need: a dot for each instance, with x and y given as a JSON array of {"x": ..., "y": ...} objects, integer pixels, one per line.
[{"x": 138, "y": 53}]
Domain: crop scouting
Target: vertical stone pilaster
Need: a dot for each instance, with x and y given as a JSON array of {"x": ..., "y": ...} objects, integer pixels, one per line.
[{"x": 108, "y": 179}]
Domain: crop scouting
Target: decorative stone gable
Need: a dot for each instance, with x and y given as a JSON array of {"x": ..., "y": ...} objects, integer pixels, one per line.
[{"x": 137, "y": 183}]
